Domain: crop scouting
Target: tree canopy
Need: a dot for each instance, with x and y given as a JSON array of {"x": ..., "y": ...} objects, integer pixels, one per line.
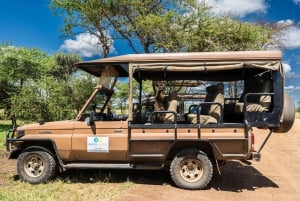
[
  {"x": 162, "y": 25},
  {"x": 37, "y": 86},
  {"x": 34, "y": 85}
]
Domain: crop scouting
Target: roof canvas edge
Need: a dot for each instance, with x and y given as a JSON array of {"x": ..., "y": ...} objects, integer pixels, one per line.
[{"x": 190, "y": 56}]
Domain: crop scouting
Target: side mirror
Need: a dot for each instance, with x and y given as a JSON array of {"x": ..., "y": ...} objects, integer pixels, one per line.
[{"x": 91, "y": 119}]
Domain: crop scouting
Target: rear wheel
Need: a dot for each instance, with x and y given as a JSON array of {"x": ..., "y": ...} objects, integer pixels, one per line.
[
  {"x": 191, "y": 169},
  {"x": 288, "y": 115},
  {"x": 36, "y": 167}
]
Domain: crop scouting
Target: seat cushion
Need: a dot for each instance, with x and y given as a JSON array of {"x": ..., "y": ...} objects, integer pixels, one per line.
[
  {"x": 251, "y": 107},
  {"x": 204, "y": 119}
]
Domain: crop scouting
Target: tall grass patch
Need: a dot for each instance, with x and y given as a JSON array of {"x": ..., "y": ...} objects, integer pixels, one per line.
[
  {"x": 4, "y": 126},
  {"x": 59, "y": 190}
]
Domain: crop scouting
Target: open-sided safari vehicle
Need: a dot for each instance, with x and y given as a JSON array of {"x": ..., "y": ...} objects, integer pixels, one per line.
[{"x": 200, "y": 113}]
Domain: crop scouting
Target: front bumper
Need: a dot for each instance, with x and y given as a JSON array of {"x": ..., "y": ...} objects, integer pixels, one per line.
[
  {"x": 9, "y": 139},
  {"x": 10, "y": 143}
]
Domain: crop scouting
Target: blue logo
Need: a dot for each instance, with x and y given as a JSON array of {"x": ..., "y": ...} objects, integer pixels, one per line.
[{"x": 96, "y": 139}]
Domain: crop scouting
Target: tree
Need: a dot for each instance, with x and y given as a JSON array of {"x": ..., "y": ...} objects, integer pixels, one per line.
[
  {"x": 44, "y": 99},
  {"x": 89, "y": 16},
  {"x": 18, "y": 68},
  {"x": 82, "y": 87},
  {"x": 145, "y": 25},
  {"x": 55, "y": 95},
  {"x": 65, "y": 66},
  {"x": 37, "y": 86},
  {"x": 163, "y": 25}
]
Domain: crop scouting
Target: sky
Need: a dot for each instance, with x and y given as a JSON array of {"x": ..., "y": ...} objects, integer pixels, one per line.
[{"x": 32, "y": 24}]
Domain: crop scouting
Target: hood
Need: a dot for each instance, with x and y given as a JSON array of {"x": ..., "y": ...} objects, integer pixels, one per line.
[{"x": 54, "y": 127}]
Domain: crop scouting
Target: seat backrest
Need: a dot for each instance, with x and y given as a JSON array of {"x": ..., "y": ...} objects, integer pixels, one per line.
[
  {"x": 169, "y": 117},
  {"x": 263, "y": 104},
  {"x": 215, "y": 93},
  {"x": 266, "y": 87}
]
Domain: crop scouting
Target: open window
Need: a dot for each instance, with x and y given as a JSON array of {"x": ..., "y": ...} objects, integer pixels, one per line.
[
  {"x": 221, "y": 96},
  {"x": 100, "y": 106}
]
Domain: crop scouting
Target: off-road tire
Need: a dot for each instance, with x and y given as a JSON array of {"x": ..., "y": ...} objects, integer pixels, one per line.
[
  {"x": 288, "y": 115},
  {"x": 36, "y": 167},
  {"x": 191, "y": 169}
]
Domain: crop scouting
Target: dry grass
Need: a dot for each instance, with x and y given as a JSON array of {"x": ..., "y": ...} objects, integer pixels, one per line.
[
  {"x": 15, "y": 190},
  {"x": 72, "y": 185}
]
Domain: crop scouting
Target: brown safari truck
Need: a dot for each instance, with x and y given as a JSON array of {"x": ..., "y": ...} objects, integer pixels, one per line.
[{"x": 199, "y": 115}]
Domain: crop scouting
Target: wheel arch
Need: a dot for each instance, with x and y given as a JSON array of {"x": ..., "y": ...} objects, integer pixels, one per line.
[
  {"x": 203, "y": 146},
  {"x": 46, "y": 145}
]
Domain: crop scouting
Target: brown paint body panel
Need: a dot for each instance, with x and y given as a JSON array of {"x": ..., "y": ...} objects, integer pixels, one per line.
[{"x": 71, "y": 140}]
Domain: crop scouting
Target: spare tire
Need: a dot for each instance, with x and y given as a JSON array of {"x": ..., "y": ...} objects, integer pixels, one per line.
[{"x": 288, "y": 115}]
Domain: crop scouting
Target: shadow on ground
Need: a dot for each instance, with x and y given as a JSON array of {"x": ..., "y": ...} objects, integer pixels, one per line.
[{"x": 235, "y": 177}]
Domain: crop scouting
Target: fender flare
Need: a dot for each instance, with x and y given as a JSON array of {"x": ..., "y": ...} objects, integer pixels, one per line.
[{"x": 15, "y": 153}]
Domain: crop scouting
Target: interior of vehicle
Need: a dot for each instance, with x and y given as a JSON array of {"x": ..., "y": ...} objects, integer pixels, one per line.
[
  {"x": 206, "y": 89},
  {"x": 217, "y": 98}
]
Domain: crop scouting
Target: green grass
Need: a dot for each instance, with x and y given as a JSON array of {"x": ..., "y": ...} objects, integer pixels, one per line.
[
  {"x": 4, "y": 126},
  {"x": 60, "y": 190},
  {"x": 73, "y": 185}
]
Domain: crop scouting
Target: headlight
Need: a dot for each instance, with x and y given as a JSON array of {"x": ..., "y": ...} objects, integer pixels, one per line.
[{"x": 18, "y": 133}]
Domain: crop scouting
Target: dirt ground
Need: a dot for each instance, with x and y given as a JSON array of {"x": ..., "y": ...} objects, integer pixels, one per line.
[{"x": 275, "y": 177}]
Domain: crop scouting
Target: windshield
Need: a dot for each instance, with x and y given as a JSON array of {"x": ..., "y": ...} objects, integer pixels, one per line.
[{"x": 106, "y": 102}]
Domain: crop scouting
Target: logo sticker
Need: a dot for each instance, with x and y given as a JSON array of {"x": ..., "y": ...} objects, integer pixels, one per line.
[{"x": 98, "y": 144}]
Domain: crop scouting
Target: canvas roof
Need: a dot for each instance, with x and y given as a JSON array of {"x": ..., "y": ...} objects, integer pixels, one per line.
[{"x": 186, "y": 62}]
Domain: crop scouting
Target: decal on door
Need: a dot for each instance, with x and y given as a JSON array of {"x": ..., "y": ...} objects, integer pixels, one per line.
[{"x": 98, "y": 144}]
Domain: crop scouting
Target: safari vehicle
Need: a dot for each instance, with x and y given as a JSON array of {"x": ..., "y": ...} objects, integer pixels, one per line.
[{"x": 200, "y": 114}]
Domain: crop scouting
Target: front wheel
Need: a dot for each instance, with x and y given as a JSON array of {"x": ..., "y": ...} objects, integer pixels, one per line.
[
  {"x": 191, "y": 169},
  {"x": 36, "y": 167}
]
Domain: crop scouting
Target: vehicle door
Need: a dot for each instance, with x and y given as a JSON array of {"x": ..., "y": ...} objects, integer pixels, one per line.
[{"x": 100, "y": 134}]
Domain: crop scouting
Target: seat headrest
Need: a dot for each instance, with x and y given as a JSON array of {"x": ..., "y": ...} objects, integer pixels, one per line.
[
  {"x": 173, "y": 95},
  {"x": 216, "y": 87}
]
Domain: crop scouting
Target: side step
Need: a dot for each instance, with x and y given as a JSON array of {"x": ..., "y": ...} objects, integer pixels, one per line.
[
  {"x": 141, "y": 166},
  {"x": 98, "y": 166}
]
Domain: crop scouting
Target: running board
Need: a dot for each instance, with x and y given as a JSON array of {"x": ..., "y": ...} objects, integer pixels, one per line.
[
  {"x": 98, "y": 166},
  {"x": 141, "y": 166},
  {"x": 147, "y": 155}
]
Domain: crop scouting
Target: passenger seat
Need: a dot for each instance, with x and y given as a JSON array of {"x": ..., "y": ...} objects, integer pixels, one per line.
[
  {"x": 212, "y": 108},
  {"x": 169, "y": 117}
]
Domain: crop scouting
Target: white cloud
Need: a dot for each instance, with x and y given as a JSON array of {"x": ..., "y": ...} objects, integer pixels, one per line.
[
  {"x": 286, "y": 22},
  {"x": 287, "y": 70},
  {"x": 237, "y": 8},
  {"x": 290, "y": 87},
  {"x": 286, "y": 67},
  {"x": 290, "y": 34},
  {"x": 84, "y": 44},
  {"x": 297, "y": 2},
  {"x": 290, "y": 37},
  {"x": 288, "y": 73}
]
